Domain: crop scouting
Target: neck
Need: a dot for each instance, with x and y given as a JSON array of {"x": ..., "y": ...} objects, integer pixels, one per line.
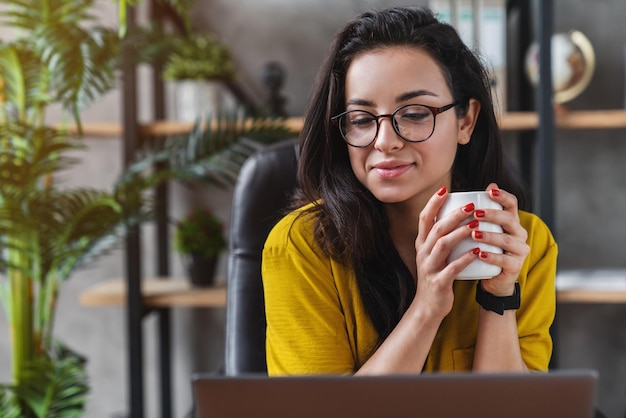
[{"x": 403, "y": 225}]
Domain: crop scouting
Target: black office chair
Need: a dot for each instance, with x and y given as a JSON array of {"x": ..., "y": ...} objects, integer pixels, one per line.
[{"x": 261, "y": 194}]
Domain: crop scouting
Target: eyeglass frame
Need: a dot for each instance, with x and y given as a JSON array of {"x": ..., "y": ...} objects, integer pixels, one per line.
[{"x": 434, "y": 110}]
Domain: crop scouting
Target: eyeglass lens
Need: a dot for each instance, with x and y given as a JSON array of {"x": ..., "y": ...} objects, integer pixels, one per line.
[{"x": 413, "y": 123}]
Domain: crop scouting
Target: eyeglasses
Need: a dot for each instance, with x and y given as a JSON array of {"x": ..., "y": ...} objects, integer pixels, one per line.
[{"x": 412, "y": 122}]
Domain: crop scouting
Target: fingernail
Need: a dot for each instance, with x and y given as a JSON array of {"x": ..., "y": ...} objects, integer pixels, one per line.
[
  {"x": 442, "y": 191},
  {"x": 478, "y": 234},
  {"x": 479, "y": 213},
  {"x": 495, "y": 192},
  {"x": 483, "y": 254},
  {"x": 473, "y": 224},
  {"x": 475, "y": 251},
  {"x": 468, "y": 208}
]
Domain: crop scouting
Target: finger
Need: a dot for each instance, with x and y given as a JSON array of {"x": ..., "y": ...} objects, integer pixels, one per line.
[
  {"x": 448, "y": 231},
  {"x": 503, "y": 282},
  {"x": 454, "y": 268},
  {"x": 509, "y": 244},
  {"x": 507, "y": 200},
  {"x": 428, "y": 216},
  {"x": 509, "y": 221},
  {"x": 447, "y": 242}
]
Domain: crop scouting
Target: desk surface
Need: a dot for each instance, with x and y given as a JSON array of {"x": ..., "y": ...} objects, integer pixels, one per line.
[
  {"x": 573, "y": 286},
  {"x": 157, "y": 292}
]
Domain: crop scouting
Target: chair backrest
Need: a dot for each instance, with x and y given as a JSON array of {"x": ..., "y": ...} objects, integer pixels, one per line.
[{"x": 265, "y": 183}]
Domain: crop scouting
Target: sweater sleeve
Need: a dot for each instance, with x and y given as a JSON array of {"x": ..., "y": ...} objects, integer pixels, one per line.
[
  {"x": 306, "y": 328},
  {"x": 538, "y": 294}
]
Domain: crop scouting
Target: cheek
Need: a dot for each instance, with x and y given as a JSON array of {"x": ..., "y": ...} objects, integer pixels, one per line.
[
  {"x": 358, "y": 161},
  {"x": 439, "y": 153}
]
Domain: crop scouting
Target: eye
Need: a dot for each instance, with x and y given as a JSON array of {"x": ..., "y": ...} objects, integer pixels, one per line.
[
  {"x": 414, "y": 114},
  {"x": 359, "y": 119}
]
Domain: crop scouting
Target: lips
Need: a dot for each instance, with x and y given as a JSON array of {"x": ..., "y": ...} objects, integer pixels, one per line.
[{"x": 391, "y": 169}]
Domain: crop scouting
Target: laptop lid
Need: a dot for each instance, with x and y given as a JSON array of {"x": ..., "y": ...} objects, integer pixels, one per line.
[{"x": 563, "y": 393}]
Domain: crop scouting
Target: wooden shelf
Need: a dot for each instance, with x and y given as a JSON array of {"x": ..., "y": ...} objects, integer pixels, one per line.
[
  {"x": 591, "y": 286},
  {"x": 566, "y": 119},
  {"x": 591, "y": 296},
  {"x": 153, "y": 129},
  {"x": 511, "y": 121},
  {"x": 157, "y": 292}
]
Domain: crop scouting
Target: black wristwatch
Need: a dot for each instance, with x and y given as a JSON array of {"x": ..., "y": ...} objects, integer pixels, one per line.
[{"x": 497, "y": 304}]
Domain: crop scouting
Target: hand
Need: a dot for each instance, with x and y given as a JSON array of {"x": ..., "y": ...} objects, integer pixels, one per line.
[
  {"x": 512, "y": 241},
  {"x": 435, "y": 240}
]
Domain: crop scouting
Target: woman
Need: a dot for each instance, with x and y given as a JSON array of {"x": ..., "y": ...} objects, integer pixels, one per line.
[{"x": 356, "y": 279}]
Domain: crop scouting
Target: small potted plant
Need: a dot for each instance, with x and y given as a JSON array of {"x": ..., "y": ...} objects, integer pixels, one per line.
[
  {"x": 199, "y": 237},
  {"x": 198, "y": 64}
]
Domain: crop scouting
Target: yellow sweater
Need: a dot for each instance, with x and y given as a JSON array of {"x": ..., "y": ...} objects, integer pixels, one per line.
[{"x": 316, "y": 322}]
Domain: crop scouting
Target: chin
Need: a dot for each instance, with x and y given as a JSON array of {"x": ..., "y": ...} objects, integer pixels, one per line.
[{"x": 390, "y": 197}]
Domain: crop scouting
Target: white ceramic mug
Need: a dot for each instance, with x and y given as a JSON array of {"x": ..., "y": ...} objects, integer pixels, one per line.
[{"x": 478, "y": 269}]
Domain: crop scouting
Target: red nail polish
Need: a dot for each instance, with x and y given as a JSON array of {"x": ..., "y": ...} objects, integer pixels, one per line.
[
  {"x": 475, "y": 251},
  {"x": 478, "y": 234},
  {"x": 442, "y": 191},
  {"x": 479, "y": 213},
  {"x": 483, "y": 254},
  {"x": 495, "y": 192},
  {"x": 473, "y": 224},
  {"x": 468, "y": 208}
]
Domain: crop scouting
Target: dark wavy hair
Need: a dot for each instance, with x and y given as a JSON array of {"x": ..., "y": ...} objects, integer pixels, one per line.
[{"x": 351, "y": 224}]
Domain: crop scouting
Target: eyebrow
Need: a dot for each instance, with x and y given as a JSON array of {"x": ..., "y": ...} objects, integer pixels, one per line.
[{"x": 401, "y": 98}]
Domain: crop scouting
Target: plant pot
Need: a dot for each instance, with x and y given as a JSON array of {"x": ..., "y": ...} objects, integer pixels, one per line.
[
  {"x": 196, "y": 99},
  {"x": 201, "y": 270}
]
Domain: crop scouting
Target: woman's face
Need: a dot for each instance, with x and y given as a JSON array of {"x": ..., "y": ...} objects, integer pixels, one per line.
[{"x": 394, "y": 170}]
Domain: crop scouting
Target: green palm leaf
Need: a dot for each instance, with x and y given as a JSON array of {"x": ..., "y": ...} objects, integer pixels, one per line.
[
  {"x": 78, "y": 225},
  {"x": 29, "y": 153},
  {"x": 81, "y": 63},
  {"x": 212, "y": 152},
  {"x": 25, "y": 81},
  {"x": 67, "y": 63},
  {"x": 9, "y": 407},
  {"x": 55, "y": 386},
  {"x": 28, "y": 14},
  {"x": 12, "y": 76}
]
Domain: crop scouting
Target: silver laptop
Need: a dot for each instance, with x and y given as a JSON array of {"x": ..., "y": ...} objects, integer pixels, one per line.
[{"x": 562, "y": 393}]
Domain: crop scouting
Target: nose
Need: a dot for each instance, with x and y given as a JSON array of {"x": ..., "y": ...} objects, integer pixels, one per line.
[{"x": 387, "y": 139}]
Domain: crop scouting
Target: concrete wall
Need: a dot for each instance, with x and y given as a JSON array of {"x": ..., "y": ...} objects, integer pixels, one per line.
[{"x": 591, "y": 233}]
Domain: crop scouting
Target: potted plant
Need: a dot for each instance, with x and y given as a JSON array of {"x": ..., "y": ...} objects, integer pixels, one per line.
[
  {"x": 45, "y": 233},
  {"x": 198, "y": 57},
  {"x": 199, "y": 237},
  {"x": 198, "y": 65}
]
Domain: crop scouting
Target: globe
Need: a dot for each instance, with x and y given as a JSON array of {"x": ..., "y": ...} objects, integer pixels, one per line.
[{"x": 573, "y": 64}]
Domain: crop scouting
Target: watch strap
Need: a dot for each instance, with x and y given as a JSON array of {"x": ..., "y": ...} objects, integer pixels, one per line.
[{"x": 498, "y": 304}]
